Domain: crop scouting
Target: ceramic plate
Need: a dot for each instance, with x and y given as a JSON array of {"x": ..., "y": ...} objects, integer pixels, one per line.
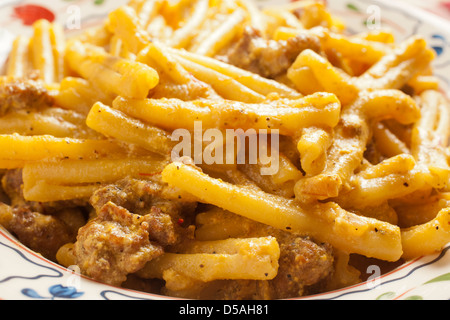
[{"x": 26, "y": 275}]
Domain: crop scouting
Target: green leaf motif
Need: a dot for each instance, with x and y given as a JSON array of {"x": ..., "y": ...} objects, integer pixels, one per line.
[
  {"x": 444, "y": 277},
  {"x": 351, "y": 6},
  {"x": 414, "y": 298},
  {"x": 386, "y": 296}
]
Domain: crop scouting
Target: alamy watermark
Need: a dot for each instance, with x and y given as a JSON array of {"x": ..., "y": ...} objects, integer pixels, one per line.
[
  {"x": 373, "y": 22},
  {"x": 214, "y": 146},
  {"x": 73, "y": 20}
]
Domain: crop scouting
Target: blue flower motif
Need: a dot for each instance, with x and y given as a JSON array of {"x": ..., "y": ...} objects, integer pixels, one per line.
[
  {"x": 60, "y": 291},
  {"x": 439, "y": 48},
  {"x": 56, "y": 291},
  {"x": 32, "y": 294}
]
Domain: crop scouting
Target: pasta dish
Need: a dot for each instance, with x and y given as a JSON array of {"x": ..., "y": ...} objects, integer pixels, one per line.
[{"x": 212, "y": 149}]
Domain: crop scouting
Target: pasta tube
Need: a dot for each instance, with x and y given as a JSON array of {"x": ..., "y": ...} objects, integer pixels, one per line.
[
  {"x": 19, "y": 64},
  {"x": 73, "y": 172},
  {"x": 22, "y": 148},
  {"x": 288, "y": 118},
  {"x": 46, "y": 192},
  {"x": 313, "y": 147},
  {"x": 111, "y": 74},
  {"x": 222, "y": 36},
  {"x": 325, "y": 222},
  {"x": 397, "y": 68},
  {"x": 42, "y": 51},
  {"x": 182, "y": 36},
  {"x": 253, "y": 81},
  {"x": 330, "y": 79},
  {"x": 253, "y": 259},
  {"x": 113, "y": 123},
  {"x": 428, "y": 238},
  {"x": 124, "y": 23},
  {"x": 75, "y": 179},
  {"x": 225, "y": 86},
  {"x": 393, "y": 178},
  {"x": 350, "y": 140},
  {"x": 387, "y": 142},
  {"x": 430, "y": 137},
  {"x": 79, "y": 95}
]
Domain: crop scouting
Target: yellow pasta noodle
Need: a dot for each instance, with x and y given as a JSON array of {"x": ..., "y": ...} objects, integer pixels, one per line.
[
  {"x": 387, "y": 142},
  {"x": 253, "y": 81},
  {"x": 90, "y": 171},
  {"x": 19, "y": 64},
  {"x": 46, "y": 192},
  {"x": 224, "y": 85},
  {"x": 428, "y": 238},
  {"x": 395, "y": 69},
  {"x": 42, "y": 123},
  {"x": 352, "y": 135},
  {"x": 182, "y": 36},
  {"x": 42, "y": 52},
  {"x": 74, "y": 179},
  {"x": 79, "y": 95},
  {"x": 112, "y": 74},
  {"x": 113, "y": 123},
  {"x": 313, "y": 147},
  {"x": 326, "y": 222},
  {"x": 328, "y": 77},
  {"x": 318, "y": 109},
  {"x": 35, "y": 148},
  {"x": 431, "y": 135},
  {"x": 254, "y": 259},
  {"x": 124, "y": 23},
  {"x": 223, "y": 35}
]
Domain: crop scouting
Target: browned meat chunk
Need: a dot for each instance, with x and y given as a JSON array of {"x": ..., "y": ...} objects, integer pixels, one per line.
[
  {"x": 134, "y": 195},
  {"x": 117, "y": 243},
  {"x": 43, "y": 227},
  {"x": 269, "y": 58},
  {"x": 303, "y": 263},
  {"x": 42, "y": 233},
  {"x": 133, "y": 226},
  {"x": 142, "y": 197},
  {"x": 12, "y": 185},
  {"x": 23, "y": 95}
]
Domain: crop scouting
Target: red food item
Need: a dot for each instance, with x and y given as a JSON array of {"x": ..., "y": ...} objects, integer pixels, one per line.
[{"x": 31, "y": 13}]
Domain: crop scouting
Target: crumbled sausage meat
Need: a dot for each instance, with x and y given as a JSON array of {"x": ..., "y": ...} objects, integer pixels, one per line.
[
  {"x": 302, "y": 263},
  {"x": 268, "y": 58},
  {"x": 23, "y": 95},
  {"x": 117, "y": 243},
  {"x": 133, "y": 226},
  {"x": 44, "y": 234}
]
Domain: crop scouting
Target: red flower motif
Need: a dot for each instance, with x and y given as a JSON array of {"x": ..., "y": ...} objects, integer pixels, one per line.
[
  {"x": 446, "y": 4},
  {"x": 30, "y": 13}
]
